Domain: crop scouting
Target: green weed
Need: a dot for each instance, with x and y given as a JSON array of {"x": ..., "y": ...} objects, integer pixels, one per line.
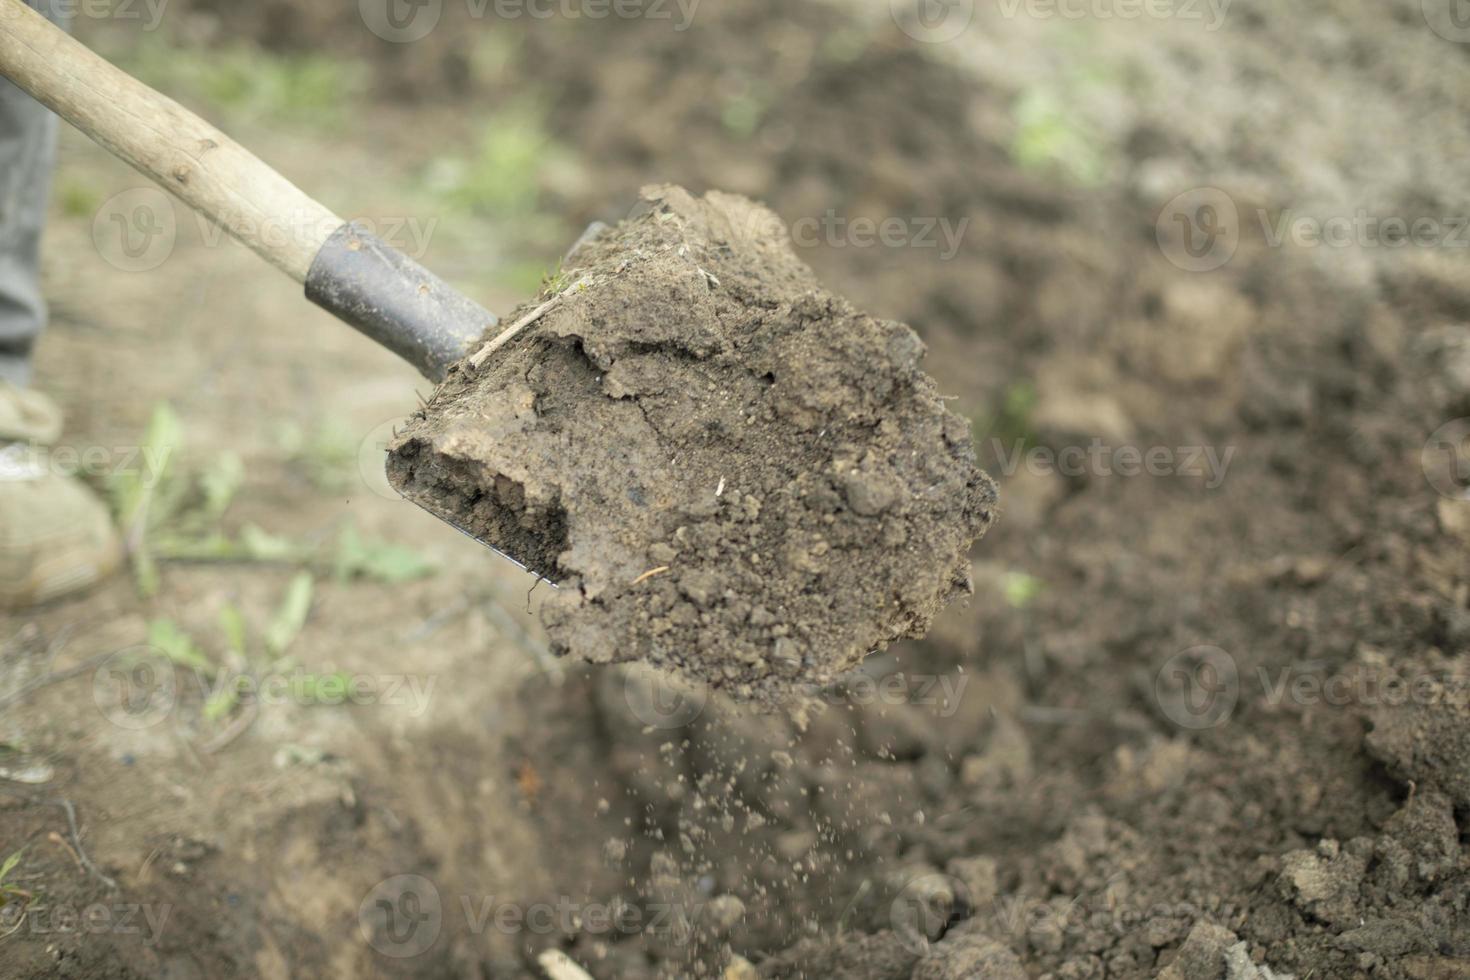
[
  {"x": 78, "y": 200},
  {"x": 500, "y": 177},
  {"x": 1054, "y": 129},
  {"x": 358, "y": 557},
  {"x": 249, "y": 82},
  {"x": 169, "y": 639},
  {"x": 326, "y": 454},
  {"x": 291, "y": 616},
  {"x": 1021, "y": 589},
  {"x": 9, "y": 891},
  {"x": 1010, "y": 420}
]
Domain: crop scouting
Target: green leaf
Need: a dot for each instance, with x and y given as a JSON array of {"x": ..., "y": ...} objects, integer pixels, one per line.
[
  {"x": 222, "y": 702},
  {"x": 328, "y": 689},
  {"x": 1011, "y": 420},
  {"x": 360, "y": 557},
  {"x": 232, "y": 624},
  {"x": 326, "y": 455},
  {"x": 1020, "y": 589},
  {"x": 145, "y": 571},
  {"x": 1050, "y": 134},
  {"x": 145, "y": 495},
  {"x": 253, "y": 544},
  {"x": 219, "y": 483},
  {"x": 261, "y": 545},
  {"x": 79, "y": 200},
  {"x": 161, "y": 443},
  {"x": 10, "y": 863},
  {"x": 165, "y": 636},
  {"x": 131, "y": 488},
  {"x": 501, "y": 177},
  {"x": 291, "y": 616}
]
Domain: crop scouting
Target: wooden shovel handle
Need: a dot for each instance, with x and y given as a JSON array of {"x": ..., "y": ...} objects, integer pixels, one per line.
[{"x": 205, "y": 168}]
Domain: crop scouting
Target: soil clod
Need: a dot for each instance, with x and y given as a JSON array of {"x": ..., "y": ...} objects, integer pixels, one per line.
[{"x": 699, "y": 407}]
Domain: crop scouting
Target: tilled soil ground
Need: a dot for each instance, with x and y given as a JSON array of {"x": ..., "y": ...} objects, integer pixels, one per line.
[{"x": 1206, "y": 715}]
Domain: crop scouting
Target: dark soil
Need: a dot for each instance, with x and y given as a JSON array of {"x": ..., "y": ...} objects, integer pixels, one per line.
[
  {"x": 729, "y": 472},
  {"x": 1220, "y": 734}
]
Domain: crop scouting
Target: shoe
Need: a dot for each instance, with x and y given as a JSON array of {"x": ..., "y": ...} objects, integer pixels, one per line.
[{"x": 56, "y": 537}]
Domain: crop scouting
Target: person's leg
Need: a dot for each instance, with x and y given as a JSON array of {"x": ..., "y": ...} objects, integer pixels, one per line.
[
  {"x": 56, "y": 537},
  {"x": 27, "y": 153}
]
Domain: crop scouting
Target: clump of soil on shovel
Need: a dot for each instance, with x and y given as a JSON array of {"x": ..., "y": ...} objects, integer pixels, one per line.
[{"x": 728, "y": 471}]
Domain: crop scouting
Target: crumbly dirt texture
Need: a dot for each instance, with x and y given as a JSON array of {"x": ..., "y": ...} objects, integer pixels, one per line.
[
  {"x": 1056, "y": 776},
  {"x": 730, "y": 472}
]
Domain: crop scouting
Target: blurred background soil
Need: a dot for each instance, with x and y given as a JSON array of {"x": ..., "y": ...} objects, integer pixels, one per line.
[{"x": 1210, "y": 722}]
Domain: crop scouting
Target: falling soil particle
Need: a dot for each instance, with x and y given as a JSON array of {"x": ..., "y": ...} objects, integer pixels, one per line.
[{"x": 730, "y": 472}]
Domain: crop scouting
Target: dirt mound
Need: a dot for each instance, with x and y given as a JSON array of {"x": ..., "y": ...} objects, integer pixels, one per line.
[{"x": 730, "y": 472}]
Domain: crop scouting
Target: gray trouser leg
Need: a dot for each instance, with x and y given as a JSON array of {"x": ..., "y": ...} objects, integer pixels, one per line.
[{"x": 27, "y": 152}]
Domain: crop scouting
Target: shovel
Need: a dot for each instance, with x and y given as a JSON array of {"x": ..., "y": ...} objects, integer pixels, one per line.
[
  {"x": 854, "y": 480},
  {"x": 346, "y": 270}
]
